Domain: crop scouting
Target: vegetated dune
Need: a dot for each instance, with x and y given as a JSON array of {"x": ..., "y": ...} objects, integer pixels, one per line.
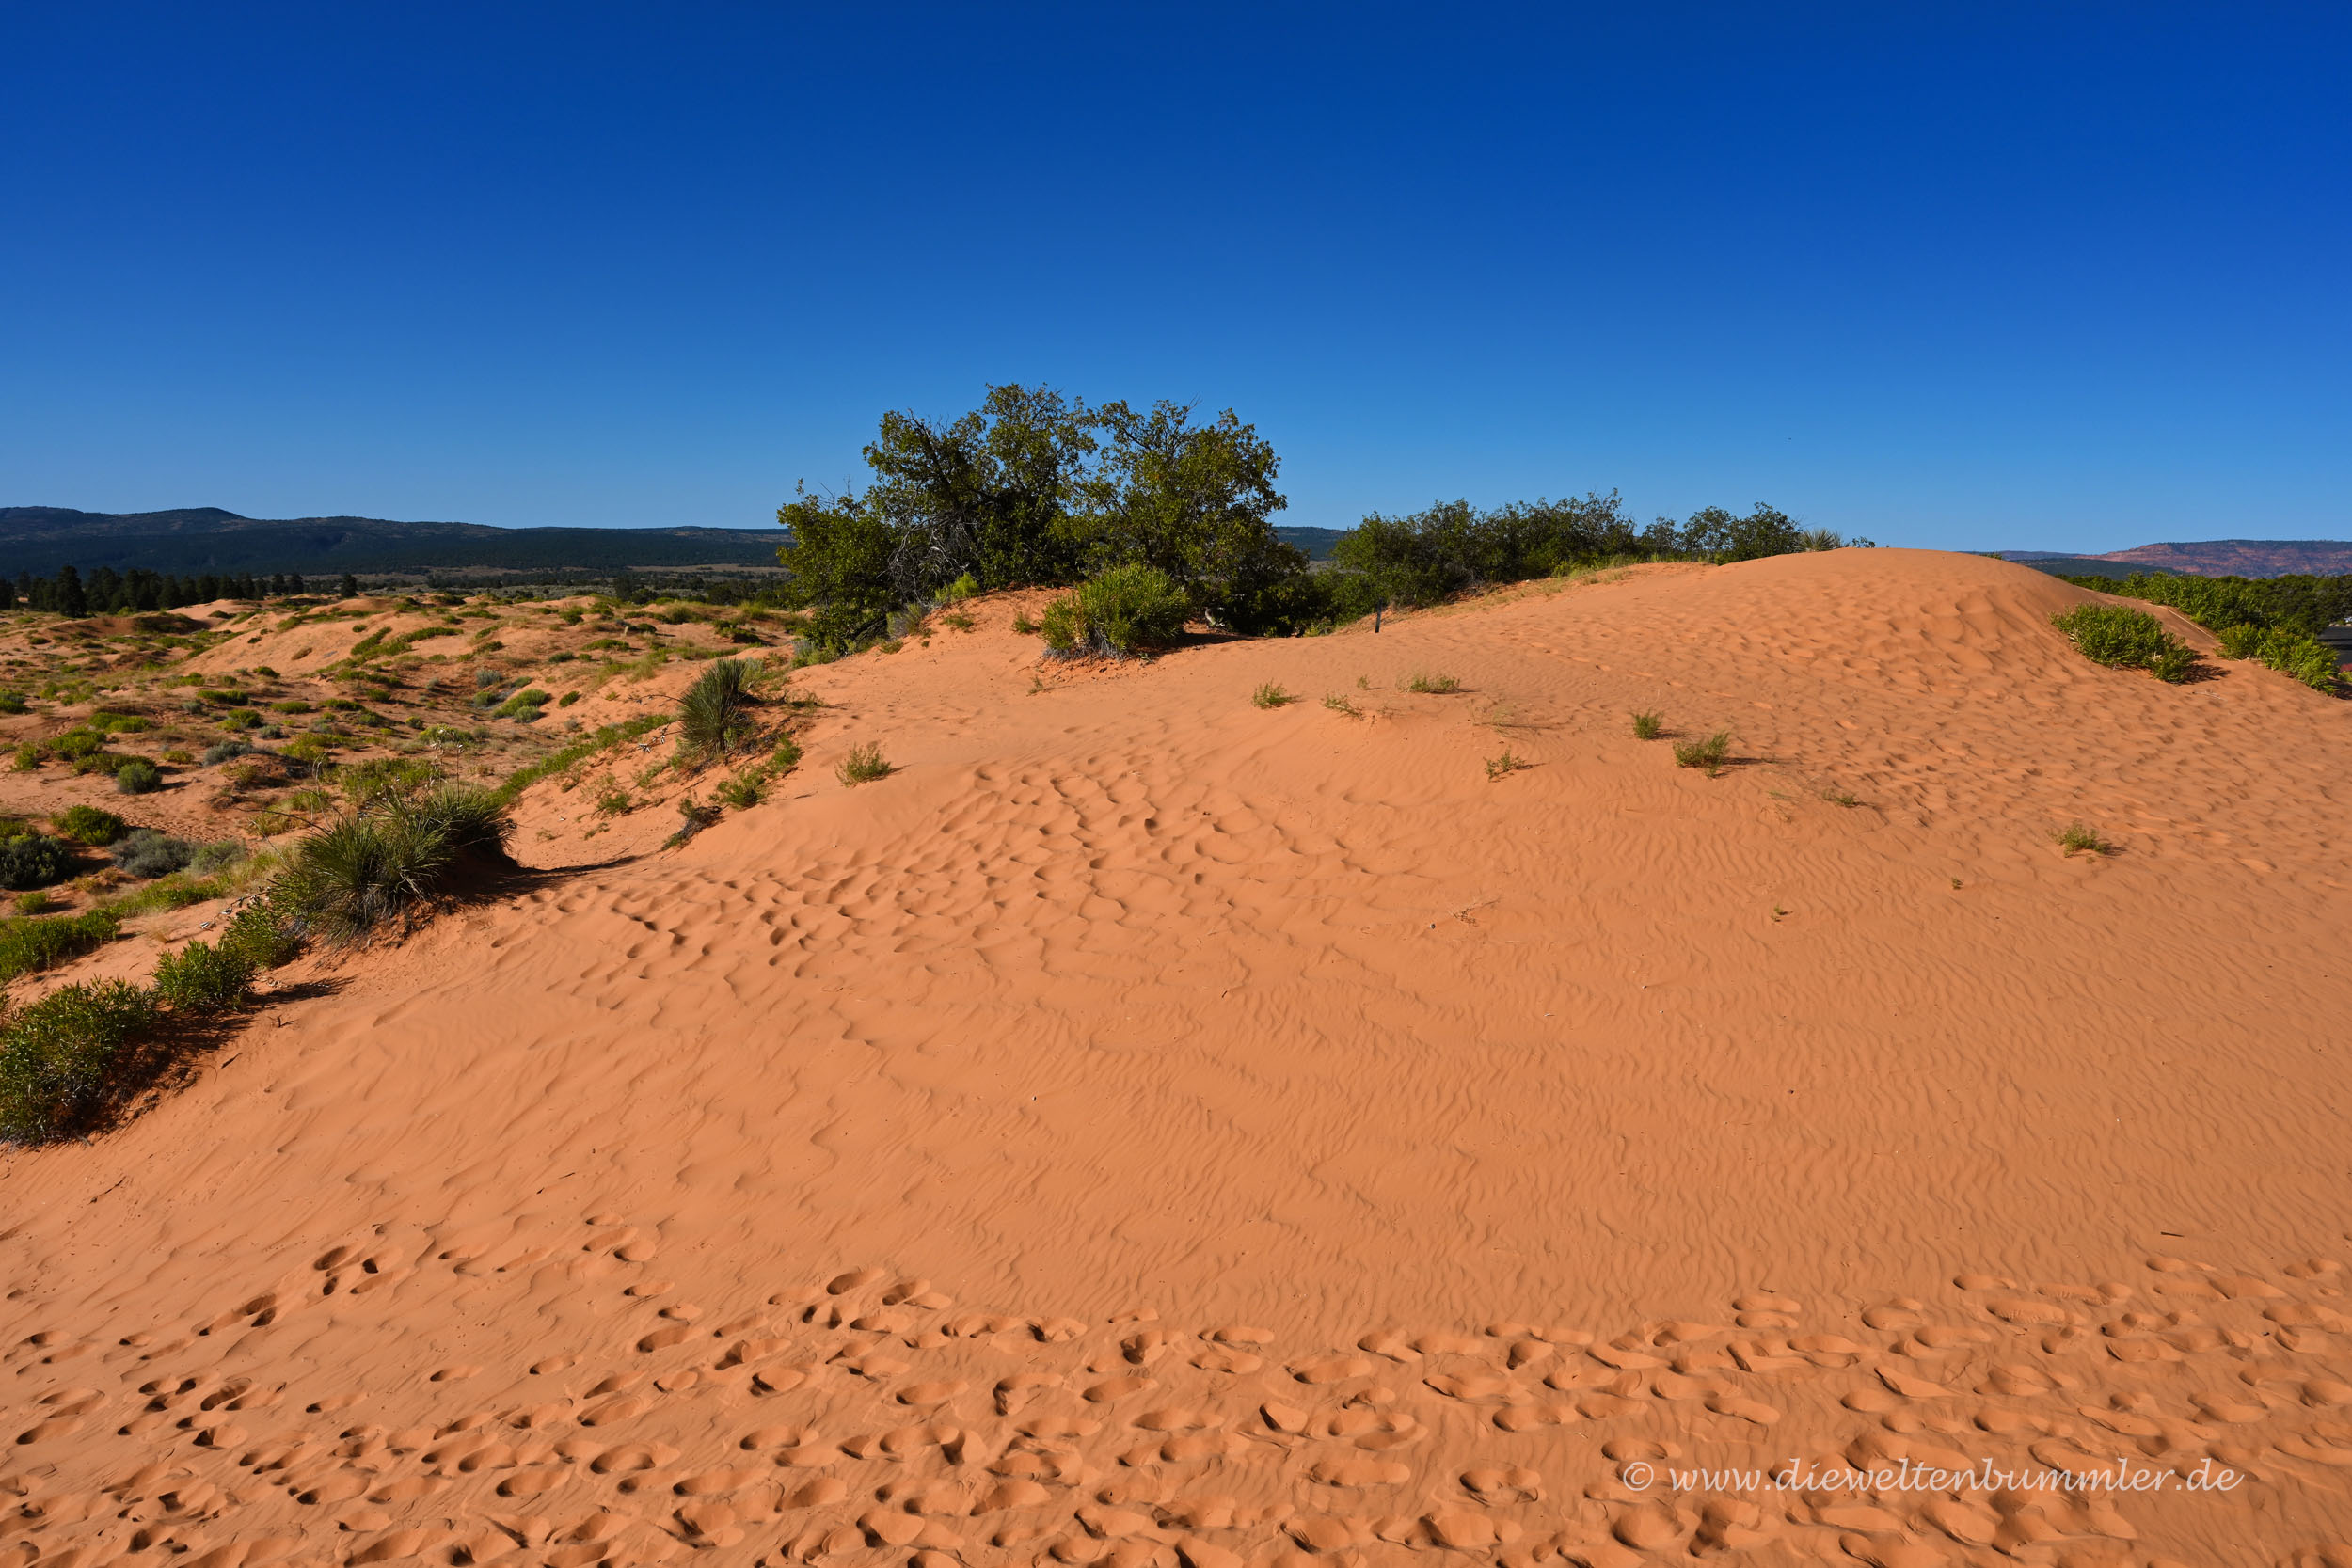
[{"x": 1148, "y": 1126}]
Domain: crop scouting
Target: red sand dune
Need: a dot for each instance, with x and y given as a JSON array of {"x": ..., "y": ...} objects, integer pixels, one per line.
[{"x": 1149, "y": 1127}]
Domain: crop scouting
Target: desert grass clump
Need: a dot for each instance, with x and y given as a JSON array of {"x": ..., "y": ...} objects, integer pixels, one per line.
[
  {"x": 1649, "y": 726},
  {"x": 1338, "y": 703},
  {"x": 715, "y": 716},
  {"x": 863, "y": 764},
  {"x": 2127, "y": 639},
  {"x": 1506, "y": 765},
  {"x": 1710, "y": 754},
  {"x": 58, "y": 1055},
  {"x": 2077, "y": 838},
  {"x": 1270, "y": 695},
  {"x": 1435, "y": 686},
  {"x": 356, "y": 876}
]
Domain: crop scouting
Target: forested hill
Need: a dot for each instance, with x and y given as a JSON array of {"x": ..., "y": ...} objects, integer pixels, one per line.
[{"x": 42, "y": 539}]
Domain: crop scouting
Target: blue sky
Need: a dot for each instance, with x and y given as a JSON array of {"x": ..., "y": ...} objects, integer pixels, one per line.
[{"x": 1970, "y": 277}]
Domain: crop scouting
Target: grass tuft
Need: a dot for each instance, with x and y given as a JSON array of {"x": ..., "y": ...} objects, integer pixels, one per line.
[
  {"x": 863, "y": 764},
  {"x": 1270, "y": 695},
  {"x": 1647, "y": 726},
  {"x": 2077, "y": 838},
  {"x": 1338, "y": 703},
  {"x": 1435, "y": 686},
  {"x": 1710, "y": 754},
  {"x": 1506, "y": 764}
]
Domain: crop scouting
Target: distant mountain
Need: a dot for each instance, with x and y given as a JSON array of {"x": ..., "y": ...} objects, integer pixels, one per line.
[
  {"x": 2244, "y": 558},
  {"x": 40, "y": 539},
  {"x": 1315, "y": 542}
]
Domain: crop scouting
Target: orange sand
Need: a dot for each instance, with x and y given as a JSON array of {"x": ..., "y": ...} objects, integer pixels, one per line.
[{"x": 1603, "y": 1112}]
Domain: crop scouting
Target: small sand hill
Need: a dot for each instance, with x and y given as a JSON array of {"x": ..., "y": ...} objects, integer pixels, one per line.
[{"x": 1150, "y": 1128}]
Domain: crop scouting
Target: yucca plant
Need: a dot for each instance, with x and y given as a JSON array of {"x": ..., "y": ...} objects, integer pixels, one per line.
[{"x": 715, "y": 716}]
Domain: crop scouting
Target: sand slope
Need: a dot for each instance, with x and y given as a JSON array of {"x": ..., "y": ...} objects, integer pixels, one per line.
[{"x": 1599, "y": 1113}]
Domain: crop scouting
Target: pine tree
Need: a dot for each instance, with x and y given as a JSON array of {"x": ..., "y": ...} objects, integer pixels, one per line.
[
  {"x": 348, "y": 588},
  {"x": 72, "y": 602}
]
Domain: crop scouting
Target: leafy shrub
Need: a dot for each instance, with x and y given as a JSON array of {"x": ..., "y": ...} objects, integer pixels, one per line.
[
  {"x": 863, "y": 764},
  {"x": 741, "y": 792},
  {"x": 28, "y": 946},
  {"x": 567, "y": 699},
  {"x": 2243, "y": 640},
  {"x": 138, "y": 777},
  {"x": 241, "y": 719},
  {"x": 35, "y": 902},
  {"x": 57, "y": 1056},
  {"x": 33, "y": 859},
  {"x": 1270, "y": 695},
  {"x": 293, "y": 704},
  {"x": 1710, "y": 754},
  {"x": 2123, "y": 638},
  {"x": 88, "y": 825},
  {"x": 200, "y": 980},
  {"x": 260, "y": 936},
  {"x": 1338, "y": 703},
  {"x": 1647, "y": 726},
  {"x": 116, "y": 723},
  {"x": 525, "y": 702},
  {"x": 28, "y": 755},
  {"x": 145, "y": 853},
  {"x": 217, "y": 856},
  {"x": 1439, "y": 686},
  {"x": 221, "y": 751},
  {"x": 2306, "y": 658},
  {"x": 615, "y": 801},
  {"x": 1505, "y": 764},
  {"x": 76, "y": 744},
  {"x": 715, "y": 715},
  {"x": 12, "y": 701},
  {"x": 1121, "y": 613}
]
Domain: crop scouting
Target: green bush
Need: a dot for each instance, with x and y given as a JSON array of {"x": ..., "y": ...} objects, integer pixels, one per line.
[
  {"x": 29, "y": 944},
  {"x": 1647, "y": 726},
  {"x": 260, "y": 936},
  {"x": 34, "y": 860},
  {"x": 1270, "y": 695},
  {"x": 200, "y": 980},
  {"x": 145, "y": 853},
  {"x": 58, "y": 1055},
  {"x": 138, "y": 776},
  {"x": 2243, "y": 640},
  {"x": 222, "y": 751},
  {"x": 528, "y": 701},
  {"x": 2125, "y": 639},
  {"x": 1122, "y": 613},
  {"x": 715, "y": 715},
  {"x": 88, "y": 825},
  {"x": 35, "y": 902},
  {"x": 2306, "y": 658}
]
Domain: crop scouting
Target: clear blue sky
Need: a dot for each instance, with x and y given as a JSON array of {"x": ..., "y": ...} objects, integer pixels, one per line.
[{"x": 1968, "y": 276}]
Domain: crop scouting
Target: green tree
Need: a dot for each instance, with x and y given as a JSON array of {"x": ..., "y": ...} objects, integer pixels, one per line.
[{"x": 346, "y": 587}]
